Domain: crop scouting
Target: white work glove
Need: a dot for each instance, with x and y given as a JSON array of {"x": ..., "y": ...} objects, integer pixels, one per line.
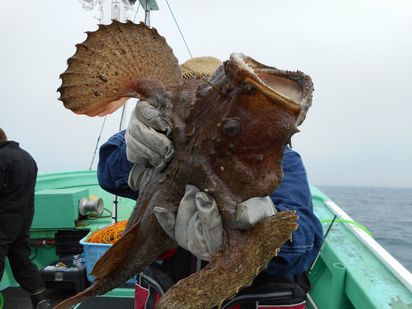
[
  {"x": 198, "y": 225},
  {"x": 147, "y": 144}
]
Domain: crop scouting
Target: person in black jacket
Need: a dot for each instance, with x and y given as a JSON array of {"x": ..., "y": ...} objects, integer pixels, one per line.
[{"x": 18, "y": 172}]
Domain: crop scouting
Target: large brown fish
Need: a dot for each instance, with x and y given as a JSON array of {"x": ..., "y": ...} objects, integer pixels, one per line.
[{"x": 228, "y": 132}]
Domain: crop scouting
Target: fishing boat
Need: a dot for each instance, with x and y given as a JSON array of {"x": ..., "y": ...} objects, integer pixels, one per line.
[{"x": 351, "y": 271}]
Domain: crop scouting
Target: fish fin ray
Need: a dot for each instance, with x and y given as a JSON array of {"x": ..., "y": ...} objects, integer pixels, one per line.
[
  {"x": 244, "y": 254},
  {"x": 116, "y": 62}
]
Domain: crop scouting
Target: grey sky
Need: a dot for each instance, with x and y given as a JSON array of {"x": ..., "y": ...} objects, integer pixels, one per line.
[{"x": 358, "y": 53}]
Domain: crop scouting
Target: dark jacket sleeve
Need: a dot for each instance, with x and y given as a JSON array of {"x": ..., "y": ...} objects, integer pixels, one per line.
[
  {"x": 3, "y": 177},
  {"x": 294, "y": 194},
  {"x": 113, "y": 168}
]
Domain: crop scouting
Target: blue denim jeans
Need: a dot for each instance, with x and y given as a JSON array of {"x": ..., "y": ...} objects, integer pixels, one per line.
[{"x": 293, "y": 194}]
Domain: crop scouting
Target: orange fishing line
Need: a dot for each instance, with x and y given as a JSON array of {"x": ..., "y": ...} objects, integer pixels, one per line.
[{"x": 108, "y": 235}]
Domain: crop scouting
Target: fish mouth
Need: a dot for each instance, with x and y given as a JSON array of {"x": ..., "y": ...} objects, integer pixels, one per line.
[
  {"x": 269, "y": 84},
  {"x": 291, "y": 89}
]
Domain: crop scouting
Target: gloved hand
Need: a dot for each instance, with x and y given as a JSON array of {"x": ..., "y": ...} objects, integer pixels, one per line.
[
  {"x": 146, "y": 141},
  {"x": 198, "y": 224}
]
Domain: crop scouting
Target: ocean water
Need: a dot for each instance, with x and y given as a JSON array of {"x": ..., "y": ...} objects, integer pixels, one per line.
[{"x": 386, "y": 212}]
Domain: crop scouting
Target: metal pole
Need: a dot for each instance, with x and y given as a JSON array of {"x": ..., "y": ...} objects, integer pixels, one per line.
[
  {"x": 122, "y": 117},
  {"x": 114, "y": 209},
  {"x": 147, "y": 13}
]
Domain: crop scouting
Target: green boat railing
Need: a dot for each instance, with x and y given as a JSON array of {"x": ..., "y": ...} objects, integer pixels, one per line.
[{"x": 353, "y": 270}]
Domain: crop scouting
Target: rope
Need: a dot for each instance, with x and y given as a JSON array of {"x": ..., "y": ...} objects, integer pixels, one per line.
[
  {"x": 357, "y": 224},
  {"x": 135, "y": 14},
  {"x": 108, "y": 235},
  {"x": 177, "y": 25},
  {"x": 97, "y": 143}
]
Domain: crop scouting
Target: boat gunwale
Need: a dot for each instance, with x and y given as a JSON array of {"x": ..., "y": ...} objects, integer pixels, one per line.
[{"x": 390, "y": 263}]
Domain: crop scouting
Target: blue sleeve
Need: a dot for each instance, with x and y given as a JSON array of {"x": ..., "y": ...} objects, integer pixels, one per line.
[
  {"x": 294, "y": 194},
  {"x": 113, "y": 167}
]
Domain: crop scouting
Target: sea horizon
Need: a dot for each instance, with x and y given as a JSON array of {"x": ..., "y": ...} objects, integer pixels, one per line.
[{"x": 363, "y": 186}]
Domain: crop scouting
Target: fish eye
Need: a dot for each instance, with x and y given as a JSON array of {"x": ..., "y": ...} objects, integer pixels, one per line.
[{"x": 231, "y": 127}]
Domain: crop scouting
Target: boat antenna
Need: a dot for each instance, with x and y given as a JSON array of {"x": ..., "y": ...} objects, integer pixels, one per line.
[
  {"x": 178, "y": 28},
  {"x": 137, "y": 11},
  {"x": 97, "y": 143},
  {"x": 147, "y": 13}
]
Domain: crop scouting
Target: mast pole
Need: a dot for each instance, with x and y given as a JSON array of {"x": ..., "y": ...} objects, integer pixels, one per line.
[{"x": 147, "y": 13}]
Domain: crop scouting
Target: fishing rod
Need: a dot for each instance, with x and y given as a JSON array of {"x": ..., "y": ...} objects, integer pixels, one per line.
[{"x": 324, "y": 242}]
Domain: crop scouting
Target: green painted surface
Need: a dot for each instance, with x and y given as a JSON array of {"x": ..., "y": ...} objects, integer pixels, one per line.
[
  {"x": 57, "y": 208},
  {"x": 67, "y": 183},
  {"x": 86, "y": 180},
  {"x": 8, "y": 279},
  {"x": 363, "y": 280},
  {"x": 121, "y": 293}
]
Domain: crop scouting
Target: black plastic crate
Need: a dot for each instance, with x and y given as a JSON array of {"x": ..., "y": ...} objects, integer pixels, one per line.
[
  {"x": 67, "y": 241},
  {"x": 73, "y": 278}
]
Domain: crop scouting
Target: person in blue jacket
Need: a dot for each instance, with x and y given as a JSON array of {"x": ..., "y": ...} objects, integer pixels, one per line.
[{"x": 145, "y": 144}]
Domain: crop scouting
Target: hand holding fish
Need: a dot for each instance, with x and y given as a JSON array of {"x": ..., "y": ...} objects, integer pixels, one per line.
[
  {"x": 146, "y": 137},
  {"x": 198, "y": 225},
  {"x": 147, "y": 142}
]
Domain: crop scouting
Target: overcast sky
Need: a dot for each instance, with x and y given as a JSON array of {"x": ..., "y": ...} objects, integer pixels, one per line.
[{"x": 358, "y": 53}]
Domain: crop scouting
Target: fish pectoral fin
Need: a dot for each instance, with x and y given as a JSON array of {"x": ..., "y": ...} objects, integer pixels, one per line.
[
  {"x": 244, "y": 255},
  {"x": 117, "y": 62},
  {"x": 117, "y": 255}
]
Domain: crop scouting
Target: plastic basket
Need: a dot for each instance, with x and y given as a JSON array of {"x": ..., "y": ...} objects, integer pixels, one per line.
[{"x": 92, "y": 252}]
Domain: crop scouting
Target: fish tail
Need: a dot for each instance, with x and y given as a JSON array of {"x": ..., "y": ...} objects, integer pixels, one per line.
[
  {"x": 106, "y": 277},
  {"x": 245, "y": 254},
  {"x": 134, "y": 250}
]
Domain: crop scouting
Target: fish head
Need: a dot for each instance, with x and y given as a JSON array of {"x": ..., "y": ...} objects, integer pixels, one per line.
[{"x": 252, "y": 112}]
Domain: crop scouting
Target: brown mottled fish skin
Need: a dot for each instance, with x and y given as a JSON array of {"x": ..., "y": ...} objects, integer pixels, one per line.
[
  {"x": 234, "y": 267},
  {"x": 229, "y": 135}
]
